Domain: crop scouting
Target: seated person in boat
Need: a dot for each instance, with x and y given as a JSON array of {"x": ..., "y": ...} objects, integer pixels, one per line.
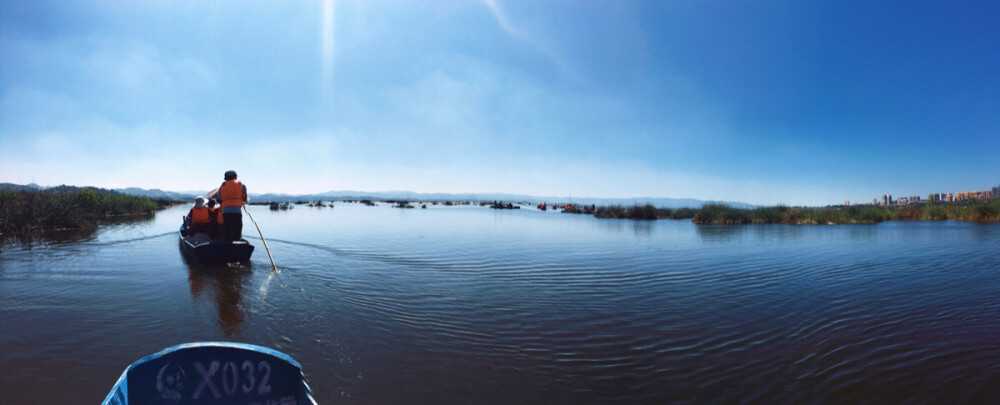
[
  {"x": 214, "y": 219},
  {"x": 199, "y": 217}
]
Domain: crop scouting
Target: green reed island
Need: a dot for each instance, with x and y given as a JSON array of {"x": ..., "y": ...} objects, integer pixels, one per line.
[
  {"x": 68, "y": 207},
  {"x": 973, "y": 210}
]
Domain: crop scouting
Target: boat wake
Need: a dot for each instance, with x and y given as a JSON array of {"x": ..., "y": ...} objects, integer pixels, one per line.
[{"x": 130, "y": 240}]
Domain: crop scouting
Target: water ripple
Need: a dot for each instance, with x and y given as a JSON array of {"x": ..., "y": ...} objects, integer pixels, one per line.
[{"x": 470, "y": 305}]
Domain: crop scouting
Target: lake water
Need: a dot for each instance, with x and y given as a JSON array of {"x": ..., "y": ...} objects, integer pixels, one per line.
[{"x": 466, "y": 304}]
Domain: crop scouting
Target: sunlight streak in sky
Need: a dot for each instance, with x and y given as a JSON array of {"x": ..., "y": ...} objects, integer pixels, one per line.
[
  {"x": 502, "y": 20},
  {"x": 521, "y": 35},
  {"x": 763, "y": 103}
]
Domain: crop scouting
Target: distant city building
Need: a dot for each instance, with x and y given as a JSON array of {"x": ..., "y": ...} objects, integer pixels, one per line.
[
  {"x": 887, "y": 200},
  {"x": 968, "y": 195}
]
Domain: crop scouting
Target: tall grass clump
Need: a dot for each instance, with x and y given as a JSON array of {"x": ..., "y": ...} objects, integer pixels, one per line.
[
  {"x": 721, "y": 214},
  {"x": 982, "y": 211},
  {"x": 780, "y": 214},
  {"x": 637, "y": 211},
  {"x": 770, "y": 215},
  {"x": 683, "y": 213},
  {"x": 975, "y": 211},
  {"x": 935, "y": 212},
  {"x": 868, "y": 214},
  {"x": 28, "y": 211},
  {"x": 821, "y": 216},
  {"x": 909, "y": 213}
]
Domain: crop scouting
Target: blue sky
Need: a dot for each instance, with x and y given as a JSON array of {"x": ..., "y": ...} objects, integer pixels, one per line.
[{"x": 763, "y": 102}]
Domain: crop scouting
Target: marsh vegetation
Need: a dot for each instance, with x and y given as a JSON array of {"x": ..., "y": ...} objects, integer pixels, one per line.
[
  {"x": 69, "y": 208},
  {"x": 975, "y": 211}
]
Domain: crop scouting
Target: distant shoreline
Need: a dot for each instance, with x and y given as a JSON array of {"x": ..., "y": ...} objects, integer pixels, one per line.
[
  {"x": 981, "y": 211},
  {"x": 985, "y": 211},
  {"x": 70, "y": 208}
]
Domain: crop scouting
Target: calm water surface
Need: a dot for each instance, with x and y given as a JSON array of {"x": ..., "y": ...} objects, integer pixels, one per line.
[{"x": 471, "y": 305}]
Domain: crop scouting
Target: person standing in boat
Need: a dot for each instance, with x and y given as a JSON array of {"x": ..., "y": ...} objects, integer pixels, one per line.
[
  {"x": 233, "y": 195},
  {"x": 198, "y": 217}
]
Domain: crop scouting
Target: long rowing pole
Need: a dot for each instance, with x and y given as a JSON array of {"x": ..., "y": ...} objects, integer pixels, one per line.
[{"x": 261, "y": 238}]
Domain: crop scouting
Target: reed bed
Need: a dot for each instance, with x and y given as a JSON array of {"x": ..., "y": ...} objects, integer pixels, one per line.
[
  {"x": 975, "y": 211},
  {"x": 30, "y": 211},
  {"x": 642, "y": 211}
]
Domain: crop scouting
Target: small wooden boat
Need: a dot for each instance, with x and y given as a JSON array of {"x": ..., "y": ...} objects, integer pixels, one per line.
[
  {"x": 205, "y": 250},
  {"x": 212, "y": 373}
]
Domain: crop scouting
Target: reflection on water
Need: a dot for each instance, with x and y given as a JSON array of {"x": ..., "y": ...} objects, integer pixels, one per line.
[
  {"x": 31, "y": 240},
  {"x": 862, "y": 232},
  {"x": 472, "y": 305},
  {"x": 224, "y": 284},
  {"x": 719, "y": 233},
  {"x": 72, "y": 236},
  {"x": 129, "y": 220},
  {"x": 636, "y": 227}
]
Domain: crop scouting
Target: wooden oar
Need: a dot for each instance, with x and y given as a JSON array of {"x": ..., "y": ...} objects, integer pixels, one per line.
[{"x": 261, "y": 238}]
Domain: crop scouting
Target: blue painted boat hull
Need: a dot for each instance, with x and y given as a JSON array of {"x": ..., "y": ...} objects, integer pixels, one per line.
[{"x": 212, "y": 373}]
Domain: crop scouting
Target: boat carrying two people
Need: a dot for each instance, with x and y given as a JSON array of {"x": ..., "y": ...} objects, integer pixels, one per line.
[{"x": 213, "y": 232}]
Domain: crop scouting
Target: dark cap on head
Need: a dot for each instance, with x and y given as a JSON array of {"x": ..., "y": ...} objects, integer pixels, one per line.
[
  {"x": 211, "y": 202},
  {"x": 230, "y": 175}
]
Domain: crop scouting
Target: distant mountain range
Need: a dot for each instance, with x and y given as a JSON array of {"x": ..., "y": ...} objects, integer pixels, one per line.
[
  {"x": 411, "y": 196},
  {"x": 157, "y": 193},
  {"x": 19, "y": 187},
  {"x": 154, "y": 193}
]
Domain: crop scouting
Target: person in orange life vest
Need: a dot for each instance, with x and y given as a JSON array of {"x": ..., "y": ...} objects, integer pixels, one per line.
[
  {"x": 233, "y": 195},
  {"x": 215, "y": 219},
  {"x": 198, "y": 217}
]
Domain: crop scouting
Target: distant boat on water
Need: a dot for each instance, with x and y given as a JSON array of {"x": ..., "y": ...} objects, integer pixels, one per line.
[{"x": 501, "y": 206}]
